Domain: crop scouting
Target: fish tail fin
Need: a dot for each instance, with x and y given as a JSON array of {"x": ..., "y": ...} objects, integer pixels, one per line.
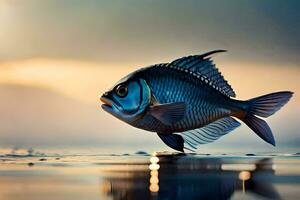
[
  {"x": 264, "y": 106},
  {"x": 267, "y": 105},
  {"x": 260, "y": 127}
]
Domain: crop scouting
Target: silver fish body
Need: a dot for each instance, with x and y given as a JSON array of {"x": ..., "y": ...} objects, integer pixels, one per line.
[{"x": 188, "y": 102}]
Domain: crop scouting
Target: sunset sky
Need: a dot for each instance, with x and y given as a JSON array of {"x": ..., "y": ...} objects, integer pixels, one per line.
[{"x": 58, "y": 56}]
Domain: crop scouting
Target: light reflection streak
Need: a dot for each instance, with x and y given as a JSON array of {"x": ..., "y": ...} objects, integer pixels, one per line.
[
  {"x": 154, "y": 180},
  {"x": 244, "y": 176}
]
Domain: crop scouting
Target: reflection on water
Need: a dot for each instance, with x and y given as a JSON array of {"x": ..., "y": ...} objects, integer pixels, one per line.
[
  {"x": 143, "y": 177},
  {"x": 154, "y": 167},
  {"x": 183, "y": 177}
]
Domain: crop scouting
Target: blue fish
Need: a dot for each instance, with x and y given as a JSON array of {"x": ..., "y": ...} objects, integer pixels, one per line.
[{"x": 188, "y": 102}]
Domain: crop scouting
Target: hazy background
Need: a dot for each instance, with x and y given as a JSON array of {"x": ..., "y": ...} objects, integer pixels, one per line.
[{"x": 58, "y": 56}]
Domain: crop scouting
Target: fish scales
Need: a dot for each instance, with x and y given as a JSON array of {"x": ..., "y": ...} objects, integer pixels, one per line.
[{"x": 170, "y": 85}]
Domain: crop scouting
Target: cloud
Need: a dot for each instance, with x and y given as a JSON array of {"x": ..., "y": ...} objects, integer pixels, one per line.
[{"x": 130, "y": 31}]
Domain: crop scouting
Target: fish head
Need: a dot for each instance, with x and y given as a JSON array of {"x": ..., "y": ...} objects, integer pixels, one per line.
[{"x": 127, "y": 100}]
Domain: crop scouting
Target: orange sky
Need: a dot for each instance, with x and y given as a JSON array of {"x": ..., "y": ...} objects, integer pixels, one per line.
[{"x": 83, "y": 80}]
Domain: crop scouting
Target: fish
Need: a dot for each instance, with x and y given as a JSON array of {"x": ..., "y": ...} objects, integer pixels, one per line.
[{"x": 187, "y": 102}]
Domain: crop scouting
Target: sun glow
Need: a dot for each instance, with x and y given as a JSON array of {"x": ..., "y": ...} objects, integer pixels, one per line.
[{"x": 76, "y": 79}]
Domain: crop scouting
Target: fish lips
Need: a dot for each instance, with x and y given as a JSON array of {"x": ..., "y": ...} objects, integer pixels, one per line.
[{"x": 107, "y": 104}]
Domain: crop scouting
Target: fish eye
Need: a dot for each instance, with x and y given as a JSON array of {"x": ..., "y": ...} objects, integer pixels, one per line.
[{"x": 121, "y": 90}]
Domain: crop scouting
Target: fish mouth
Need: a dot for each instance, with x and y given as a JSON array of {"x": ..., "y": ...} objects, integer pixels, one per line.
[
  {"x": 106, "y": 101},
  {"x": 107, "y": 104}
]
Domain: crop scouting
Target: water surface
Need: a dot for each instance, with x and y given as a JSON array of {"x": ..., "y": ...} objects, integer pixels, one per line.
[{"x": 144, "y": 176}]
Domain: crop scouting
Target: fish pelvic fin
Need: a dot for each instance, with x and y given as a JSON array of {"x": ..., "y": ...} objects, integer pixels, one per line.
[
  {"x": 264, "y": 106},
  {"x": 174, "y": 141}
]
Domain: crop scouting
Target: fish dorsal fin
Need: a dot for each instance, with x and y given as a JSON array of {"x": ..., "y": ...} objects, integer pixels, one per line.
[
  {"x": 203, "y": 68},
  {"x": 210, "y": 132}
]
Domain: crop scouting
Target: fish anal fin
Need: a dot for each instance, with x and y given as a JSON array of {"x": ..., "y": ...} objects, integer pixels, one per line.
[
  {"x": 168, "y": 113},
  {"x": 210, "y": 132}
]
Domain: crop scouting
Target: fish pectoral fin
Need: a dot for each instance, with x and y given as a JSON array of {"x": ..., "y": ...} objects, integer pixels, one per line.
[
  {"x": 168, "y": 113},
  {"x": 173, "y": 140}
]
